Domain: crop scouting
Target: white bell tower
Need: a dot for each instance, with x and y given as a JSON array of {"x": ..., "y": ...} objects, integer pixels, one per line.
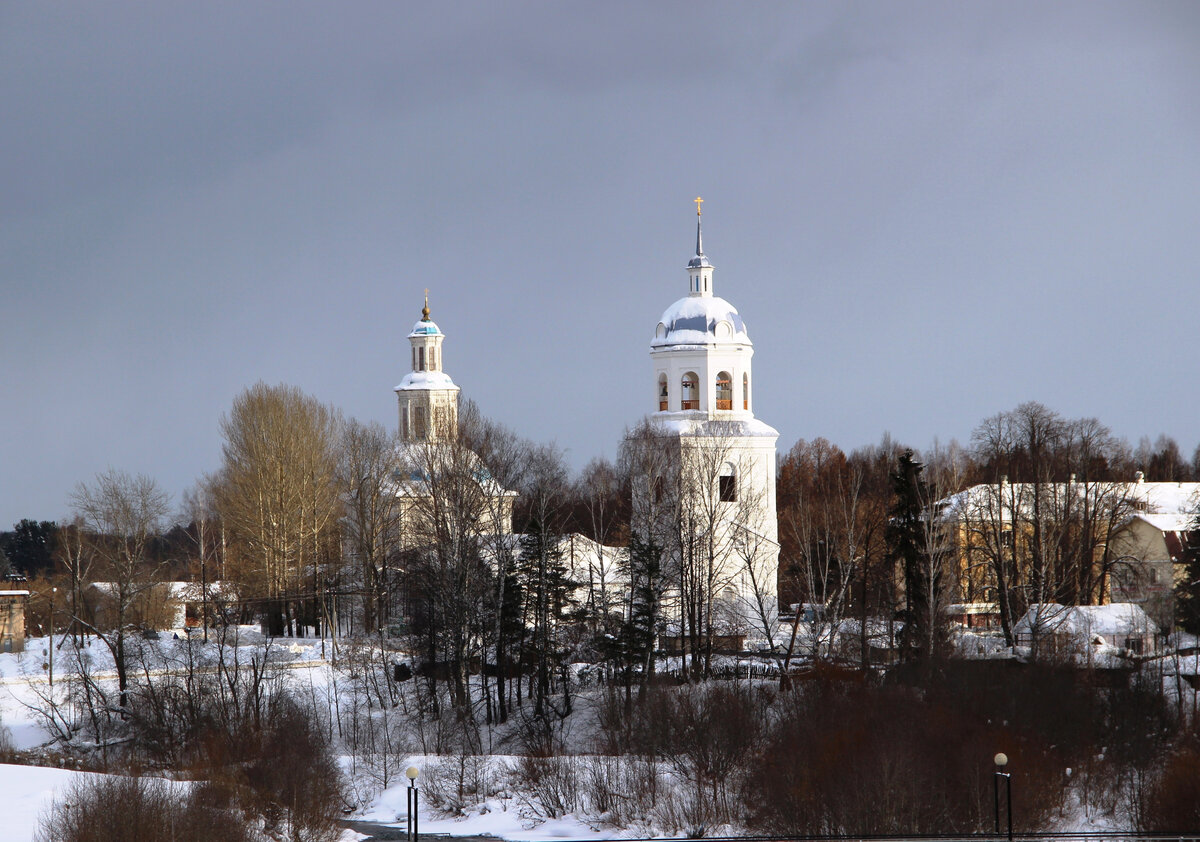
[
  {"x": 703, "y": 395},
  {"x": 427, "y": 396}
]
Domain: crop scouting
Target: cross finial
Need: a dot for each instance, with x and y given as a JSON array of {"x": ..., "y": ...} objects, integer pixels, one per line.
[
  {"x": 425, "y": 310},
  {"x": 698, "y": 202}
]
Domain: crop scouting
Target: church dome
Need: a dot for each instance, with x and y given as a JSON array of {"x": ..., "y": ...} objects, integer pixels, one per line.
[
  {"x": 425, "y": 328},
  {"x": 700, "y": 320}
]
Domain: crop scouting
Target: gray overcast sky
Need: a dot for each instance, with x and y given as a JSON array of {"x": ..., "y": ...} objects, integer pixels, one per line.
[{"x": 927, "y": 213}]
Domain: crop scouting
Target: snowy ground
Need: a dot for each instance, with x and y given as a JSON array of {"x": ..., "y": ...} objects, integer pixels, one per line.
[
  {"x": 495, "y": 817},
  {"x": 502, "y": 812},
  {"x": 28, "y": 790}
]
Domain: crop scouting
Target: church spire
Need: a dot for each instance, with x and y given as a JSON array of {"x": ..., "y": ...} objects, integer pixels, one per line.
[
  {"x": 425, "y": 309},
  {"x": 699, "y": 269}
]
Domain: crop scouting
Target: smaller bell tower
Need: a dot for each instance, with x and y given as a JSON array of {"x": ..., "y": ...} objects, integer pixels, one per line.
[{"x": 427, "y": 396}]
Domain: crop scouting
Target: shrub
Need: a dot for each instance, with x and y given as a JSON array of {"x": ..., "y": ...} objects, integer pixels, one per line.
[
  {"x": 128, "y": 809},
  {"x": 1172, "y": 804}
]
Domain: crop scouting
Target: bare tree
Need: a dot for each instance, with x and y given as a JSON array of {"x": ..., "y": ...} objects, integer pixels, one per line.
[
  {"x": 705, "y": 500},
  {"x": 603, "y": 514},
  {"x": 832, "y": 513},
  {"x": 278, "y": 496},
  {"x": 371, "y": 519},
  {"x": 120, "y": 515},
  {"x": 1041, "y": 528},
  {"x": 448, "y": 507},
  {"x": 199, "y": 512}
]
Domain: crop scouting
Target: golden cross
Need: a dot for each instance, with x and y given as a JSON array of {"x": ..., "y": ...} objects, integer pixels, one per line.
[{"x": 698, "y": 200}]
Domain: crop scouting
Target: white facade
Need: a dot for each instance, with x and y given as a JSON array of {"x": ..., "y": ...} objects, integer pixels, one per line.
[{"x": 702, "y": 395}]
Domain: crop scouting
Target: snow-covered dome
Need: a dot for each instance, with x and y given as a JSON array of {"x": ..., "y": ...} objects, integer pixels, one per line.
[
  {"x": 425, "y": 380},
  {"x": 425, "y": 328},
  {"x": 700, "y": 320}
]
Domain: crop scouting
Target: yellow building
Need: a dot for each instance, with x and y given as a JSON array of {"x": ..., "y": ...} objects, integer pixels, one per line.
[{"x": 1075, "y": 543}]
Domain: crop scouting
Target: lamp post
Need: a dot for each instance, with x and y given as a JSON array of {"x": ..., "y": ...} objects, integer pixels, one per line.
[
  {"x": 413, "y": 806},
  {"x": 53, "y": 591},
  {"x": 1001, "y": 761}
]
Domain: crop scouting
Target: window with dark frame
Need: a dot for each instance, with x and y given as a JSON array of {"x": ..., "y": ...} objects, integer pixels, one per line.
[{"x": 728, "y": 489}]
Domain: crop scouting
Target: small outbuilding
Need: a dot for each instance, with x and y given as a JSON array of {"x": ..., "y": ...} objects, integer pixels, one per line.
[{"x": 1081, "y": 629}]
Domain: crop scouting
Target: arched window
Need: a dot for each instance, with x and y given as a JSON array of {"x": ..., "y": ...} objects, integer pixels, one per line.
[
  {"x": 746, "y": 391},
  {"x": 420, "y": 428},
  {"x": 433, "y": 359},
  {"x": 404, "y": 423},
  {"x": 727, "y": 484},
  {"x": 414, "y": 359},
  {"x": 690, "y": 391},
  {"x": 421, "y": 358},
  {"x": 662, "y": 393},
  {"x": 724, "y": 390},
  {"x": 658, "y": 489}
]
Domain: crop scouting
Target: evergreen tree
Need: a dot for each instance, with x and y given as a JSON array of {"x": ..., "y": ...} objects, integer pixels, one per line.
[
  {"x": 645, "y": 610},
  {"x": 510, "y": 638},
  {"x": 908, "y": 546},
  {"x": 548, "y": 610},
  {"x": 30, "y": 546}
]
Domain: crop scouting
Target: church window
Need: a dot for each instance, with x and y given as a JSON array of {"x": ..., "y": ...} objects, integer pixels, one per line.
[
  {"x": 433, "y": 359},
  {"x": 690, "y": 391},
  {"x": 662, "y": 393},
  {"x": 724, "y": 390},
  {"x": 404, "y": 423},
  {"x": 746, "y": 391},
  {"x": 414, "y": 350},
  {"x": 727, "y": 485},
  {"x": 421, "y": 359},
  {"x": 419, "y": 423},
  {"x": 658, "y": 489}
]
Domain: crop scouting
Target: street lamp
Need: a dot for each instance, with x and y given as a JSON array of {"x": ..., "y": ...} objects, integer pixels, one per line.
[
  {"x": 1001, "y": 761},
  {"x": 53, "y": 591},
  {"x": 413, "y": 807}
]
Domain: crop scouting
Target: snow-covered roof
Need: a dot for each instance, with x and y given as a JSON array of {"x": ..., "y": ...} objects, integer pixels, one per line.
[
  {"x": 194, "y": 591},
  {"x": 422, "y": 380},
  {"x": 673, "y": 424},
  {"x": 425, "y": 327},
  {"x": 1169, "y": 522},
  {"x": 14, "y": 593},
  {"x": 183, "y": 591},
  {"x": 1113, "y": 620},
  {"x": 700, "y": 320},
  {"x": 987, "y": 500}
]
